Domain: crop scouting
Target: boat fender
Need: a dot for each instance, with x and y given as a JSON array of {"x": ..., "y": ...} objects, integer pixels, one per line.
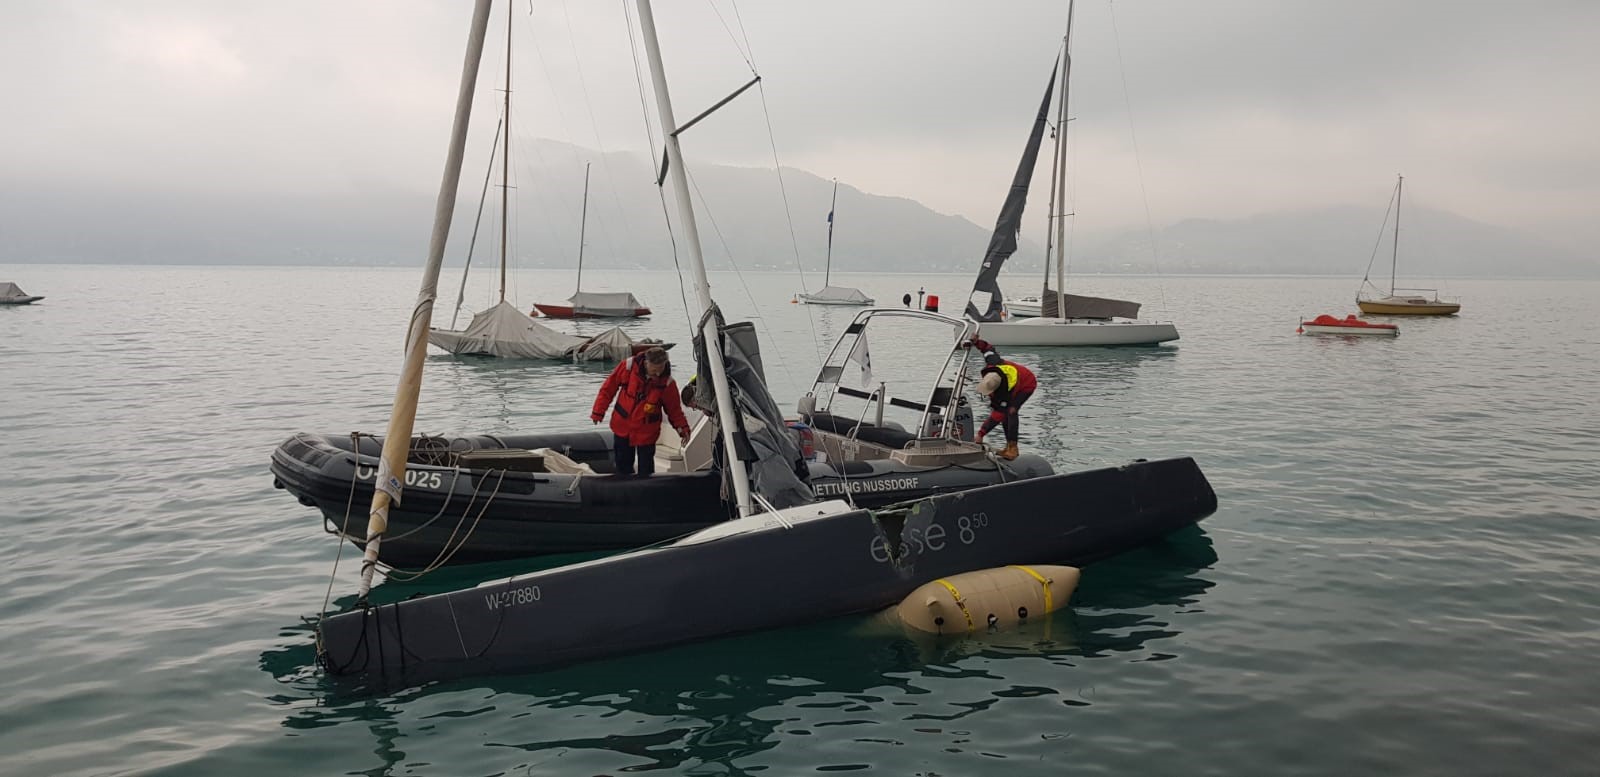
[{"x": 995, "y": 599}]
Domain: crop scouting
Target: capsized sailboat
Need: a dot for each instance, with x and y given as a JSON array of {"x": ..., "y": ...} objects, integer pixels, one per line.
[
  {"x": 593, "y": 304},
  {"x": 830, "y": 294},
  {"x": 503, "y": 331},
  {"x": 1055, "y": 318},
  {"x": 1414, "y": 302},
  {"x": 832, "y": 558}
]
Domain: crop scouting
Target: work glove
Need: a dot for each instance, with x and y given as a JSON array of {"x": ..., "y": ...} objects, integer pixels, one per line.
[
  {"x": 980, "y": 438},
  {"x": 982, "y": 344},
  {"x": 595, "y": 417},
  {"x": 683, "y": 433}
]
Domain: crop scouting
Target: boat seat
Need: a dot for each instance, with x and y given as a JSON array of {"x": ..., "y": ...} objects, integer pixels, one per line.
[{"x": 866, "y": 432}]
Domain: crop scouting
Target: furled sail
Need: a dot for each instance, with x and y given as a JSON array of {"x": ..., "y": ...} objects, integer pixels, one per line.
[
  {"x": 1087, "y": 307},
  {"x": 1003, "y": 243},
  {"x": 778, "y": 472}
]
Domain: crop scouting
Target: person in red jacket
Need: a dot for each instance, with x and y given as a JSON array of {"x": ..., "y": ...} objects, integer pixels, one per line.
[
  {"x": 1008, "y": 385},
  {"x": 643, "y": 388}
]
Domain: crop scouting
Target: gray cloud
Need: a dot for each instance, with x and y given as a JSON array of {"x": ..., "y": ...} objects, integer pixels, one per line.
[{"x": 1238, "y": 107}]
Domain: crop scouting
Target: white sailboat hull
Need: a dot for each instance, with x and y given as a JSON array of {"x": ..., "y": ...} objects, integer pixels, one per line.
[
  {"x": 810, "y": 300},
  {"x": 1347, "y": 331},
  {"x": 1026, "y": 307},
  {"x": 1078, "y": 332}
]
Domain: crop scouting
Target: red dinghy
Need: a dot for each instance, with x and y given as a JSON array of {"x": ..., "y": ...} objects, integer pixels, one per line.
[
  {"x": 589, "y": 304},
  {"x": 1349, "y": 325}
]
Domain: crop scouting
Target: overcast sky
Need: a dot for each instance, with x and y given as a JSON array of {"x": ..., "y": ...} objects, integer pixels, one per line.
[{"x": 1211, "y": 109}]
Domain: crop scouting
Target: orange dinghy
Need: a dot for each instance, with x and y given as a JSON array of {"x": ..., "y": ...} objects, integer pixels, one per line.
[{"x": 1349, "y": 325}]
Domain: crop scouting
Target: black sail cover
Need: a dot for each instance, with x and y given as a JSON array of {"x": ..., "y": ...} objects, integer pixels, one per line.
[
  {"x": 1003, "y": 243},
  {"x": 778, "y": 470}
]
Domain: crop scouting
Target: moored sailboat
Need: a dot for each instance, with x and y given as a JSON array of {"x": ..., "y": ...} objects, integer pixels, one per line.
[
  {"x": 503, "y": 331},
  {"x": 12, "y": 294},
  {"x": 830, "y": 294},
  {"x": 834, "y": 559},
  {"x": 1413, "y": 303},
  {"x": 1055, "y": 318},
  {"x": 591, "y": 304}
]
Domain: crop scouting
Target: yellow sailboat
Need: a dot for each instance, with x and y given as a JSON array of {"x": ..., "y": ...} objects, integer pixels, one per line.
[{"x": 1401, "y": 302}]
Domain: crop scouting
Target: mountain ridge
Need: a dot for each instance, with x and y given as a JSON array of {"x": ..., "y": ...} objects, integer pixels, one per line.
[{"x": 742, "y": 215}]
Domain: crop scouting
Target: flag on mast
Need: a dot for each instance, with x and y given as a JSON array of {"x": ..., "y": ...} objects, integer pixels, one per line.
[{"x": 862, "y": 356}]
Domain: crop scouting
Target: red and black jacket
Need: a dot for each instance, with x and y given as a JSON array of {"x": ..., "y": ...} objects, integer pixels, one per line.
[
  {"x": 640, "y": 400},
  {"x": 1015, "y": 379}
]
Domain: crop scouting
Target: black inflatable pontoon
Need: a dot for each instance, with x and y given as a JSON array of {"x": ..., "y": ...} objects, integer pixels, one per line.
[{"x": 466, "y": 514}]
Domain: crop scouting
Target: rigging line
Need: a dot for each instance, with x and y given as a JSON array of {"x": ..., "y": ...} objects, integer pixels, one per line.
[
  {"x": 1072, "y": 150},
  {"x": 638, "y": 79},
  {"x": 1149, "y": 223},
  {"x": 1365, "y": 277},
  {"x": 564, "y": 205},
  {"x": 705, "y": 208},
  {"x": 349, "y": 505},
  {"x": 594, "y": 126},
  {"x": 673, "y": 238},
  {"x": 740, "y": 20},
  {"x": 650, "y": 149},
  {"x": 477, "y": 221},
  {"x": 788, "y": 215},
  {"x": 447, "y": 551},
  {"x": 731, "y": 37}
]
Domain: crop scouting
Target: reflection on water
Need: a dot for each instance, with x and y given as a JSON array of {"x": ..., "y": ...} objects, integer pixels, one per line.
[
  {"x": 724, "y": 700},
  {"x": 1081, "y": 389}
]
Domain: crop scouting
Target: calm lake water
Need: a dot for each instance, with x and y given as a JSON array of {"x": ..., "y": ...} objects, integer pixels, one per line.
[{"x": 1400, "y": 578}]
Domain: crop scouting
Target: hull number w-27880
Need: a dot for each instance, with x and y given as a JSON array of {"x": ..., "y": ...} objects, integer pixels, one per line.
[{"x": 512, "y": 597}]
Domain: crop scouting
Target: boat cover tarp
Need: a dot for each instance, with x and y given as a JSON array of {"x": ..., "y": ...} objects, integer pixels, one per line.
[
  {"x": 840, "y": 294},
  {"x": 508, "y": 333},
  {"x": 1003, "y": 243},
  {"x": 609, "y": 346},
  {"x": 599, "y": 303},
  {"x": 1087, "y": 307},
  {"x": 778, "y": 471}
]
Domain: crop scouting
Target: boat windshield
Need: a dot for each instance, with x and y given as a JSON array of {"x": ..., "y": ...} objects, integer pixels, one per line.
[{"x": 895, "y": 368}]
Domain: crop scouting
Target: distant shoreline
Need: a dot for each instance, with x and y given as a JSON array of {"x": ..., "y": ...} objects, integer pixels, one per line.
[{"x": 808, "y": 273}]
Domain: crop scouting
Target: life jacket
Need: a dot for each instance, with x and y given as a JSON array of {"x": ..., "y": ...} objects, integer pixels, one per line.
[
  {"x": 640, "y": 402},
  {"x": 1017, "y": 379}
]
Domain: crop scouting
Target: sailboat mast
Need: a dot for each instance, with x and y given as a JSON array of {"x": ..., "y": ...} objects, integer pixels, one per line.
[
  {"x": 505, "y": 162},
  {"x": 391, "y": 474},
  {"x": 680, "y": 188},
  {"x": 483, "y": 196},
  {"x": 1060, "y": 195},
  {"x": 583, "y": 223},
  {"x": 1394, "y": 259},
  {"x": 827, "y": 269},
  {"x": 1050, "y": 213}
]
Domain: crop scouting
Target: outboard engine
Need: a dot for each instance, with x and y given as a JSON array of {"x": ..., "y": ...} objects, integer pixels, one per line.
[{"x": 962, "y": 429}]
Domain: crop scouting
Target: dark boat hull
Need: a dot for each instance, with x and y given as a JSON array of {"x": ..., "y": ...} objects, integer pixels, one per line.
[
  {"x": 470, "y": 516},
  {"x": 847, "y": 562}
]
